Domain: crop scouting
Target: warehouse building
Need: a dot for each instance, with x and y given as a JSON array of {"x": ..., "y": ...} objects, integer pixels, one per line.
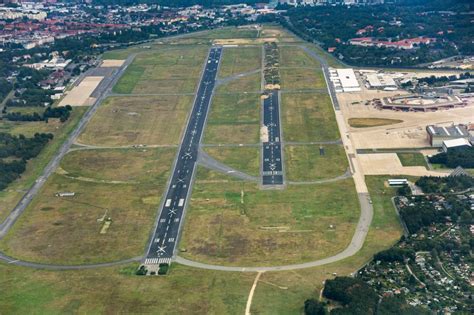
[{"x": 438, "y": 134}]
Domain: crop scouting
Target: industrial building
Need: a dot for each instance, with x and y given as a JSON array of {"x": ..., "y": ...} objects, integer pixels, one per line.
[
  {"x": 438, "y": 134},
  {"x": 380, "y": 81},
  {"x": 455, "y": 144},
  {"x": 344, "y": 80}
]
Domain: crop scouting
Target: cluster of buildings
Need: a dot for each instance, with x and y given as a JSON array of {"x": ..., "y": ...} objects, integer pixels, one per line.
[
  {"x": 440, "y": 280},
  {"x": 38, "y": 23},
  {"x": 406, "y": 44}
]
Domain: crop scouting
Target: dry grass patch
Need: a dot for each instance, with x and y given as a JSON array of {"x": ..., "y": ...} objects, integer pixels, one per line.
[
  {"x": 372, "y": 122},
  {"x": 245, "y": 159},
  {"x": 65, "y": 230},
  {"x": 240, "y": 59},
  {"x": 301, "y": 79},
  {"x": 138, "y": 120},
  {"x": 305, "y": 163},
  {"x": 248, "y": 83},
  {"x": 285, "y": 292},
  {"x": 173, "y": 69},
  {"x": 238, "y": 224},
  {"x": 233, "y": 118},
  {"x": 291, "y": 56},
  {"x": 134, "y": 165},
  {"x": 116, "y": 290},
  {"x": 308, "y": 117}
]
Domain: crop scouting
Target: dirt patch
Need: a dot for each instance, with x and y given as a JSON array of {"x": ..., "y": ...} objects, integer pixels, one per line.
[{"x": 112, "y": 63}]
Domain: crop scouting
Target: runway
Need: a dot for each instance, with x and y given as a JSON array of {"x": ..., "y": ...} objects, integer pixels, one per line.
[
  {"x": 272, "y": 166},
  {"x": 163, "y": 243}
]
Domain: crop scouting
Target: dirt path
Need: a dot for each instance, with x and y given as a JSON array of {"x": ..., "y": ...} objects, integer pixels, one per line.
[{"x": 252, "y": 291}]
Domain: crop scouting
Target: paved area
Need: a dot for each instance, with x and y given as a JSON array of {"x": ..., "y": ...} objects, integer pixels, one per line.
[
  {"x": 112, "y": 63},
  {"x": 172, "y": 209},
  {"x": 272, "y": 158},
  {"x": 81, "y": 95},
  {"x": 389, "y": 164}
]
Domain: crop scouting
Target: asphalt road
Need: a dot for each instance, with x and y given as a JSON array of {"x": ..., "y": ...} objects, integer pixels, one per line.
[
  {"x": 163, "y": 243},
  {"x": 102, "y": 91},
  {"x": 272, "y": 166}
]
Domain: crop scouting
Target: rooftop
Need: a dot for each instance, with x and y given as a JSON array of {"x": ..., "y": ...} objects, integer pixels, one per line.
[{"x": 451, "y": 131}]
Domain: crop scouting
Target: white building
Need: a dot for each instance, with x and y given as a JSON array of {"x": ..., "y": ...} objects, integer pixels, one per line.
[
  {"x": 344, "y": 80},
  {"x": 455, "y": 143}
]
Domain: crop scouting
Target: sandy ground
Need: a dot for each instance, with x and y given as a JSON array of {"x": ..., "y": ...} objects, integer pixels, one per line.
[
  {"x": 410, "y": 133},
  {"x": 389, "y": 164},
  {"x": 112, "y": 63},
  {"x": 80, "y": 95}
]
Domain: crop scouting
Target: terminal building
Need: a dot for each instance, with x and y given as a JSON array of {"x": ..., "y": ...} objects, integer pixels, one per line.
[
  {"x": 438, "y": 134},
  {"x": 344, "y": 80}
]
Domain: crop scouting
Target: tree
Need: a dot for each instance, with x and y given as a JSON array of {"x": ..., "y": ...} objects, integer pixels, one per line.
[
  {"x": 466, "y": 217},
  {"x": 313, "y": 307}
]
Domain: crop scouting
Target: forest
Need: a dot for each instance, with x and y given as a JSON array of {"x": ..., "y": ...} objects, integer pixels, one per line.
[
  {"x": 452, "y": 30},
  {"x": 455, "y": 157}
]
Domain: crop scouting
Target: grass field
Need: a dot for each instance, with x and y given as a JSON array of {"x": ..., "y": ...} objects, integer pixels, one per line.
[
  {"x": 245, "y": 159},
  {"x": 292, "y": 56},
  {"x": 122, "y": 165},
  {"x": 229, "y": 32},
  {"x": 372, "y": 122},
  {"x": 66, "y": 229},
  {"x": 233, "y": 118},
  {"x": 305, "y": 163},
  {"x": 15, "y": 191},
  {"x": 202, "y": 291},
  {"x": 116, "y": 290},
  {"x": 238, "y": 224},
  {"x": 285, "y": 292},
  {"x": 164, "y": 70},
  {"x": 240, "y": 59},
  {"x": 301, "y": 79},
  {"x": 249, "y": 83},
  {"x": 412, "y": 159},
  {"x": 308, "y": 117},
  {"x": 138, "y": 120}
]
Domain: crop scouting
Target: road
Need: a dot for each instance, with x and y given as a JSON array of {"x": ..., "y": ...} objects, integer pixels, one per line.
[
  {"x": 103, "y": 90},
  {"x": 272, "y": 165},
  {"x": 172, "y": 209}
]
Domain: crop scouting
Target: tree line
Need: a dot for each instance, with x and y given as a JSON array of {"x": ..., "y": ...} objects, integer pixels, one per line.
[
  {"x": 61, "y": 112},
  {"x": 15, "y": 151}
]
